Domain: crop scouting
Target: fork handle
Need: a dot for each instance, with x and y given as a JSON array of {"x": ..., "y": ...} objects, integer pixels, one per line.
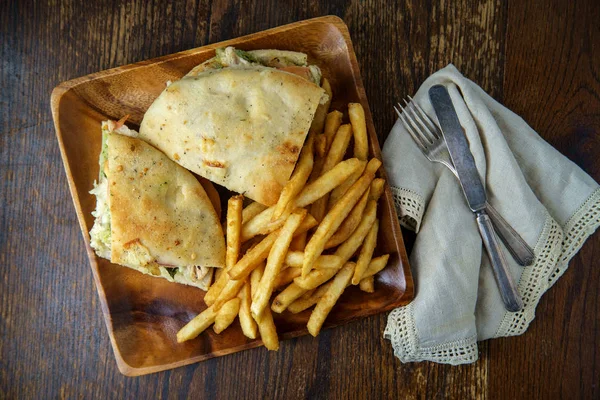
[
  {"x": 518, "y": 248},
  {"x": 508, "y": 289}
]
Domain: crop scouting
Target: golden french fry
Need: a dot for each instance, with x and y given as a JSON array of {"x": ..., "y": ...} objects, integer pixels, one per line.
[
  {"x": 275, "y": 262},
  {"x": 321, "y": 112},
  {"x": 298, "y": 242},
  {"x": 332, "y": 124},
  {"x": 336, "y": 216},
  {"x": 326, "y": 303},
  {"x": 328, "y": 181},
  {"x": 350, "y": 223},
  {"x": 349, "y": 247},
  {"x": 367, "y": 284},
  {"x": 251, "y": 211},
  {"x": 231, "y": 290},
  {"x": 255, "y": 277},
  {"x": 215, "y": 289},
  {"x": 359, "y": 127},
  {"x": 197, "y": 325},
  {"x": 268, "y": 332},
  {"x": 366, "y": 253},
  {"x": 261, "y": 224},
  {"x": 339, "y": 191},
  {"x": 253, "y": 257},
  {"x": 338, "y": 147},
  {"x": 315, "y": 278},
  {"x": 319, "y": 208},
  {"x": 234, "y": 227},
  {"x": 287, "y": 276},
  {"x": 376, "y": 265},
  {"x": 298, "y": 179},
  {"x": 246, "y": 321},
  {"x": 296, "y": 258},
  {"x": 308, "y": 299},
  {"x": 377, "y": 187},
  {"x": 226, "y": 315},
  {"x": 286, "y": 297},
  {"x": 321, "y": 146}
]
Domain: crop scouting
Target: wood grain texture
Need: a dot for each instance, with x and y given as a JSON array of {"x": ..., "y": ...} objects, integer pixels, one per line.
[{"x": 54, "y": 343}]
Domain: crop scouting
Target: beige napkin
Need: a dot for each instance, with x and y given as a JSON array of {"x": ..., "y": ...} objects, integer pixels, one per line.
[{"x": 549, "y": 200}]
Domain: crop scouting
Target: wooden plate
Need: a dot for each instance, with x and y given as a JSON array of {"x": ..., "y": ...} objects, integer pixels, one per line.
[{"x": 143, "y": 313}]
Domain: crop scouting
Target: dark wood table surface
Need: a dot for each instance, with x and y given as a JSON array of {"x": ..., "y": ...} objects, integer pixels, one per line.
[{"x": 541, "y": 59}]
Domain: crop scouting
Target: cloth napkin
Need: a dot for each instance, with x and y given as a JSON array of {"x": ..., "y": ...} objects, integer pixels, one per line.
[{"x": 550, "y": 201}]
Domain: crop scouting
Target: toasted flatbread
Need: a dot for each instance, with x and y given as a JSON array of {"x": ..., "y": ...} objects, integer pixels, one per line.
[
  {"x": 241, "y": 127},
  {"x": 161, "y": 220}
]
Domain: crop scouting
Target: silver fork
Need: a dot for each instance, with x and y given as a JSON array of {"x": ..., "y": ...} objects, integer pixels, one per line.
[{"x": 429, "y": 139}]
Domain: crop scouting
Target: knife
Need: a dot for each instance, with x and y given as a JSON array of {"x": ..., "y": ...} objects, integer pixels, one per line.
[{"x": 474, "y": 192}]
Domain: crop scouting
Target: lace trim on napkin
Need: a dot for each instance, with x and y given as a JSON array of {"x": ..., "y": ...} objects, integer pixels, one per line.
[
  {"x": 553, "y": 253},
  {"x": 401, "y": 331},
  {"x": 410, "y": 207}
]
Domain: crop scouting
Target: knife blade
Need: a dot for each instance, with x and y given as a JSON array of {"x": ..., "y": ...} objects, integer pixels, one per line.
[{"x": 474, "y": 191}]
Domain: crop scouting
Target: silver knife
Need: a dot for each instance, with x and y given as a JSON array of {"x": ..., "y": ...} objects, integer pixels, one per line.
[{"x": 461, "y": 156}]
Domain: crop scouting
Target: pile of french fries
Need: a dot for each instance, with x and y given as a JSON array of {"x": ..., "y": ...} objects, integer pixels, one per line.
[{"x": 305, "y": 250}]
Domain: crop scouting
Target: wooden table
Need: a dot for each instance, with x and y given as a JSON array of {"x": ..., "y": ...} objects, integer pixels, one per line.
[{"x": 541, "y": 60}]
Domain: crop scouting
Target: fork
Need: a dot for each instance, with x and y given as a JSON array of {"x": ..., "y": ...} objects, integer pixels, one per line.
[{"x": 428, "y": 137}]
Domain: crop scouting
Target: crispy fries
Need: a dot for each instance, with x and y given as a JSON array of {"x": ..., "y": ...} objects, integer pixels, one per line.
[
  {"x": 253, "y": 257},
  {"x": 234, "y": 228},
  {"x": 246, "y": 321},
  {"x": 339, "y": 191},
  {"x": 251, "y": 211},
  {"x": 298, "y": 179},
  {"x": 274, "y": 263},
  {"x": 350, "y": 223},
  {"x": 338, "y": 147},
  {"x": 349, "y": 247},
  {"x": 315, "y": 278},
  {"x": 332, "y": 124},
  {"x": 226, "y": 315},
  {"x": 336, "y": 216},
  {"x": 366, "y": 253},
  {"x": 296, "y": 258},
  {"x": 367, "y": 284},
  {"x": 359, "y": 128},
  {"x": 261, "y": 224},
  {"x": 376, "y": 265},
  {"x": 197, "y": 325},
  {"x": 268, "y": 332},
  {"x": 326, "y": 303},
  {"x": 321, "y": 112},
  {"x": 287, "y": 276},
  {"x": 377, "y": 187},
  {"x": 309, "y": 299},
  {"x": 328, "y": 181},
  {"x": 285, "y": 298}
]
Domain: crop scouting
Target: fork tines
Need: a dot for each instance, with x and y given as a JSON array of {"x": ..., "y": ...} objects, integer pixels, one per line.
[{"x": 420, "y": 126}]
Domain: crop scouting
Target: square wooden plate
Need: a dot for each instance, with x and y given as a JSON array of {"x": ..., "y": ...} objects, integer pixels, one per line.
[{"x": 142, "y": 313}]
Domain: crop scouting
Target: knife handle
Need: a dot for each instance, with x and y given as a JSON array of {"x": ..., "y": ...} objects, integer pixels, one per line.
[
  {"x": 508, "y": 290},
  {"x": 518, "y": 248}
]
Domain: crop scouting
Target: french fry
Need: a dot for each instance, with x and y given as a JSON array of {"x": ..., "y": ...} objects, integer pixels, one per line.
[
  {"x": 253, "y": 257},
  {"x": 367, "y": 284},
  {"x": 376, "y": 265},
  {"x": 309, "y": 299},
  {"x": 336, "y": 216},
  {"x": 231, "y": 290},
  {"x": 298, "y": 242},
  {"x": 268, "y": 332},
  {"x": 315, "y": 278},
  {"x": 366, "y": 253},
  {"x": 275, "y": 260},
  {"x": 286, "y": 297},
  {"x": 246, "y": 321},
  {"x": 332, "y": 124},
  {"x": 226, "y": 315},
  {"x": 349, "y": 247},
  {"x": 328, "y": 181},
  {"x": 234, "y": 228},
  {"x": 350, "y": 223},
  {"x": 376, "y": 188},
  {"x": 197, "y": 325},
  {"x": 296, "y": 258},
  {"x": 339, "y": 191},
  {"x": 319, "y": 208},
  {"x": 255, "y": 278},
  {"x": 338, "y": 147},
  {"x": 359, "y": 128},
  {"x": 321, "y": 112},
  {"x": 326, "y": 303},
  {"x": 261, "y": 224},
  {"x": 321, "y": 146},
  {"x": 251, "y": 211},
  {"x": 287, "y": 276},
  {"x": 298, "y": 179}
]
